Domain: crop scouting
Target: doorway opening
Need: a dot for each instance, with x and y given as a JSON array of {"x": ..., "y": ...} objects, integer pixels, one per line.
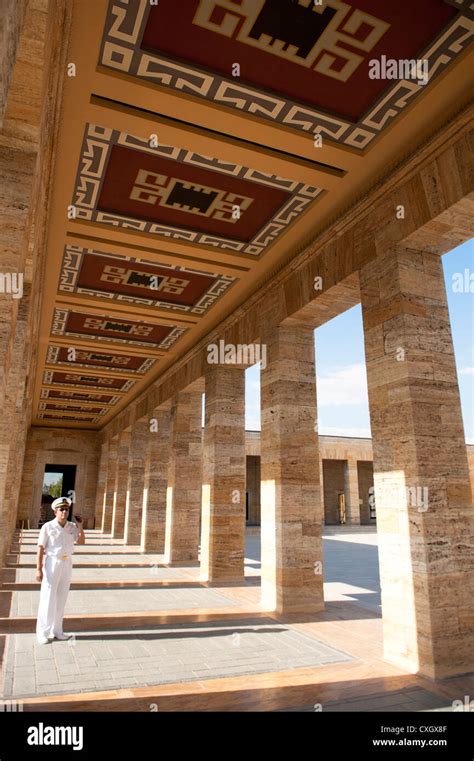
[{"x": 58, "y": 481}]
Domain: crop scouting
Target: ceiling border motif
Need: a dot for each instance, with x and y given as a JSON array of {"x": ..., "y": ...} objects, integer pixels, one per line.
[
  {"x": 60, "y": 317},
  {"x": 103, "y": 383},
  {"x": 71, "y": 266},
  {"x": 71, "y": 396},
  {"x": 120, "y": 50},
  {"x": 68, "y": 407},
  {"x": 69, "y": 418},
  {"x": 96, "y": 148},
  {"x": 52, "y": 358}
]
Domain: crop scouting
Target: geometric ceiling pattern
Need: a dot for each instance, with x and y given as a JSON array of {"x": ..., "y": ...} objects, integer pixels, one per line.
[
  {"x": 187, "y": 172},
  {"x": 74, "y": 324},
  {"x": 61, "y": 355},
  {"x": 136, "y": 281},
  {"x": 301, "y": 64},
  {"x": 174, "y": 193},
  {"x": 82, "y": 379}
]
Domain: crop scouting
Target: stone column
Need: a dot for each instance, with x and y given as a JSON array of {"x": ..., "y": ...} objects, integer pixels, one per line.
[
  {"x": 156, "y": 483},
  {"x": 223, "y": 475},
  {"x": 136, "y": 478},
  {"x": 121, "y": 485},
  {"x": 183, "y": 508},
  {"x": 292, "y": 515},
  {"x": 101, "y": 490},
  {"x": 13, "y": 424},
  {"x": 109, "y": 493},
  {"x": 351, "y": 491},
  {"x": 321, "y": 487},
  {"x": 421, "y": 477},
  {"x": 17, "y": 169}
]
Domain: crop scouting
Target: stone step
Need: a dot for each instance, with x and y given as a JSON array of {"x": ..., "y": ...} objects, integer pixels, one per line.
[
  {"x": 145, "y": 584},
  {"x": 218, "y": 694},
  {"x": 133, "y": 619},
  {"x": 106, "y": 565},
  {"x": 16, "y": 575}
]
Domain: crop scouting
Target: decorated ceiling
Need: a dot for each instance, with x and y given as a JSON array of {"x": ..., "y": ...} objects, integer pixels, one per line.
[{"x": 202, "y": 145}]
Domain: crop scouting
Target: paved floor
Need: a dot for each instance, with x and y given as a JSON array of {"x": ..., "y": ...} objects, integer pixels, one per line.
[
  {"x": 351, "y": 567},
  {"x": 110, "y": 659},
  {"x": 159, "y": 655},
  {"x": 124, "y": 600}
]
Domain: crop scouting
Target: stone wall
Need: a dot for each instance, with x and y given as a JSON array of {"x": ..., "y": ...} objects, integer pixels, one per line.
[
  {"x": 335, "y": 452},
  {"x": 33, "y": 43},
  {"x": 253, "y": 489},
  {"x": 59, "y": 446},
  {"x": 333, "y": 485},
  {"x": 365, "y": 473}
]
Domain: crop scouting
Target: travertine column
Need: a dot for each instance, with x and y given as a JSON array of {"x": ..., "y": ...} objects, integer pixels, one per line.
[
  {"x": 223, "y": 475},
  {"x": 101, "y": 489},
  {"x": 321, "y": 487},
  {"x": 110, "y": 485},
  {"x": 183, "y": 506},
  {"x": 136, "y": 478},
  {"x": 351, "y": 491},
  {"x": 121, "y": 485},
  {"x": 292, "y": 514},
  {"x": 156, "y": 483},
  {"x": 13, "y": 426},
  {"x": 17, "y": 169},
  {"x": 421, "y": 478}
]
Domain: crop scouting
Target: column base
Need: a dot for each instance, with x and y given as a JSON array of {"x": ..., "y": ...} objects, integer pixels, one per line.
[
  {"x": 228, "y": 581},
  {"x": 176, "y": 563}
]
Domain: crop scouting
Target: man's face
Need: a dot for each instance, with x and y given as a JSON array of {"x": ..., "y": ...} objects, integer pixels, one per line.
[{"x": 61, "y": 514}]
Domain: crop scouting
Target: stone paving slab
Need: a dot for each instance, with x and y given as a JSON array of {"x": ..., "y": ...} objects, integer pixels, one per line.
[
  {"x": 351, "y": 568},
  {"x": 159, "y": 655},
  {"x": 85, "y": 602}
]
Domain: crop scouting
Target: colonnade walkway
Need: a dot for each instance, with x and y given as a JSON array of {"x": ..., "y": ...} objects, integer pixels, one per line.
[{"x": 148, "y": 636}]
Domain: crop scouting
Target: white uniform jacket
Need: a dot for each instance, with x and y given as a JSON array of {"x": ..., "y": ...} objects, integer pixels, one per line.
[{"x": 57, "y": 541}]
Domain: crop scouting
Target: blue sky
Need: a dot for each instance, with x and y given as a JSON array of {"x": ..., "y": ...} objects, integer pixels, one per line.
[{"x": 343, "y": 407}]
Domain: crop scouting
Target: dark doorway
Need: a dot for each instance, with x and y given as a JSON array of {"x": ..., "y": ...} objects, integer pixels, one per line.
[{"x": 58, "y": 481}]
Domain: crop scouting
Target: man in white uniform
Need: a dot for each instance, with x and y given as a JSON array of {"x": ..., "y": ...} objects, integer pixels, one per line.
[{"x": 55, "y": 546}]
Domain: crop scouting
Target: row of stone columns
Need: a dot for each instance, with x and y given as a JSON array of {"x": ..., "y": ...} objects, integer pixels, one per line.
[
  {"x": 169, "y": 487},
  {"x": 166, "y": 481}
]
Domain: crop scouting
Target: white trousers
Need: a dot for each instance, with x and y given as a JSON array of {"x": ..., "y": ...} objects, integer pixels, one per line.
[{"x": 53, "y": 595}]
